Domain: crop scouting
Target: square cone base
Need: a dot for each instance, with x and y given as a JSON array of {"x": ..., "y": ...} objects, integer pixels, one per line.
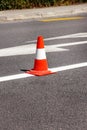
[{"x": 39, "y": 73}]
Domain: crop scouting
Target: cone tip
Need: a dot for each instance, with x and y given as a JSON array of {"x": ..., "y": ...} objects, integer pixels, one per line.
[{"x": 40, "y": 42}]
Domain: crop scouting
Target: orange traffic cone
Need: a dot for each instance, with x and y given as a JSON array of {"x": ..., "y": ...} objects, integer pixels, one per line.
[{"x": 40, "y": 63}]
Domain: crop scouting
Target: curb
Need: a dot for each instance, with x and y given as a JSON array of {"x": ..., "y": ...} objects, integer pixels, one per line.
[{"x": 26, "y": 14}]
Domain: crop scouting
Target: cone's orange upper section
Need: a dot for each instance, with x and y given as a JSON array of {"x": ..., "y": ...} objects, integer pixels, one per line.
[{"x": 40, "y": 42}]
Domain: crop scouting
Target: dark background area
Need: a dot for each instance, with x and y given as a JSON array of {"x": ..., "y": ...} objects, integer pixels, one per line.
[{"x": 23, "y": 4}]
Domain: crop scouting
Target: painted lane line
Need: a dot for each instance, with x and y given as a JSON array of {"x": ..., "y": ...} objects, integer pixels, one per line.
[
  {"x": 26, "y": 49},
  {"x": 30, "y": 49},
  {"x": 56, "y": 69},
  {"x": 61, "y": 19},
  {"x": 13, "y": 77},
  {"x": 76, "y": 35},
  {"x": 72, "y": 44},
  {"x": 69, "y": 67}
]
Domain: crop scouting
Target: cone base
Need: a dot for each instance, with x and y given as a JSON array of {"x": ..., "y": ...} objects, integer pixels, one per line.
[{"x": 39, "y": 73}]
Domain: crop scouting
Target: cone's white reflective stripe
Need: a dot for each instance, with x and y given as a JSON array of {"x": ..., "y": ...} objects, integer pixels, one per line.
[{"x": 40, "y": 54}]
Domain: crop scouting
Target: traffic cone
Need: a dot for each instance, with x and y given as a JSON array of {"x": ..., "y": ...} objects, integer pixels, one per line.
[{"x": 40, "y": 62}]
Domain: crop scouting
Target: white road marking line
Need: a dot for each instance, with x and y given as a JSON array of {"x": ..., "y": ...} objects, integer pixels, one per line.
[
  {"x": 30, "y": 49},
  {"x": 16, "y": 76},
  {"x": 56, "y": 69},
  {"x": 76, "y": 35},
  {"x": 69, "y": 67},
  {"x": 72, "y": 44},
  {"x": 26, "y": 49}
]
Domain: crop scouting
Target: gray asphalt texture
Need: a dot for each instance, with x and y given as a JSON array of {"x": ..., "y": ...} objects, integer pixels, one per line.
[{"x": 54, "y": 102}]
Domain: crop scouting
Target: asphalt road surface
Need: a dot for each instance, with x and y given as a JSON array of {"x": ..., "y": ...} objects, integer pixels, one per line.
[{"x": 52, "y": 102}]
